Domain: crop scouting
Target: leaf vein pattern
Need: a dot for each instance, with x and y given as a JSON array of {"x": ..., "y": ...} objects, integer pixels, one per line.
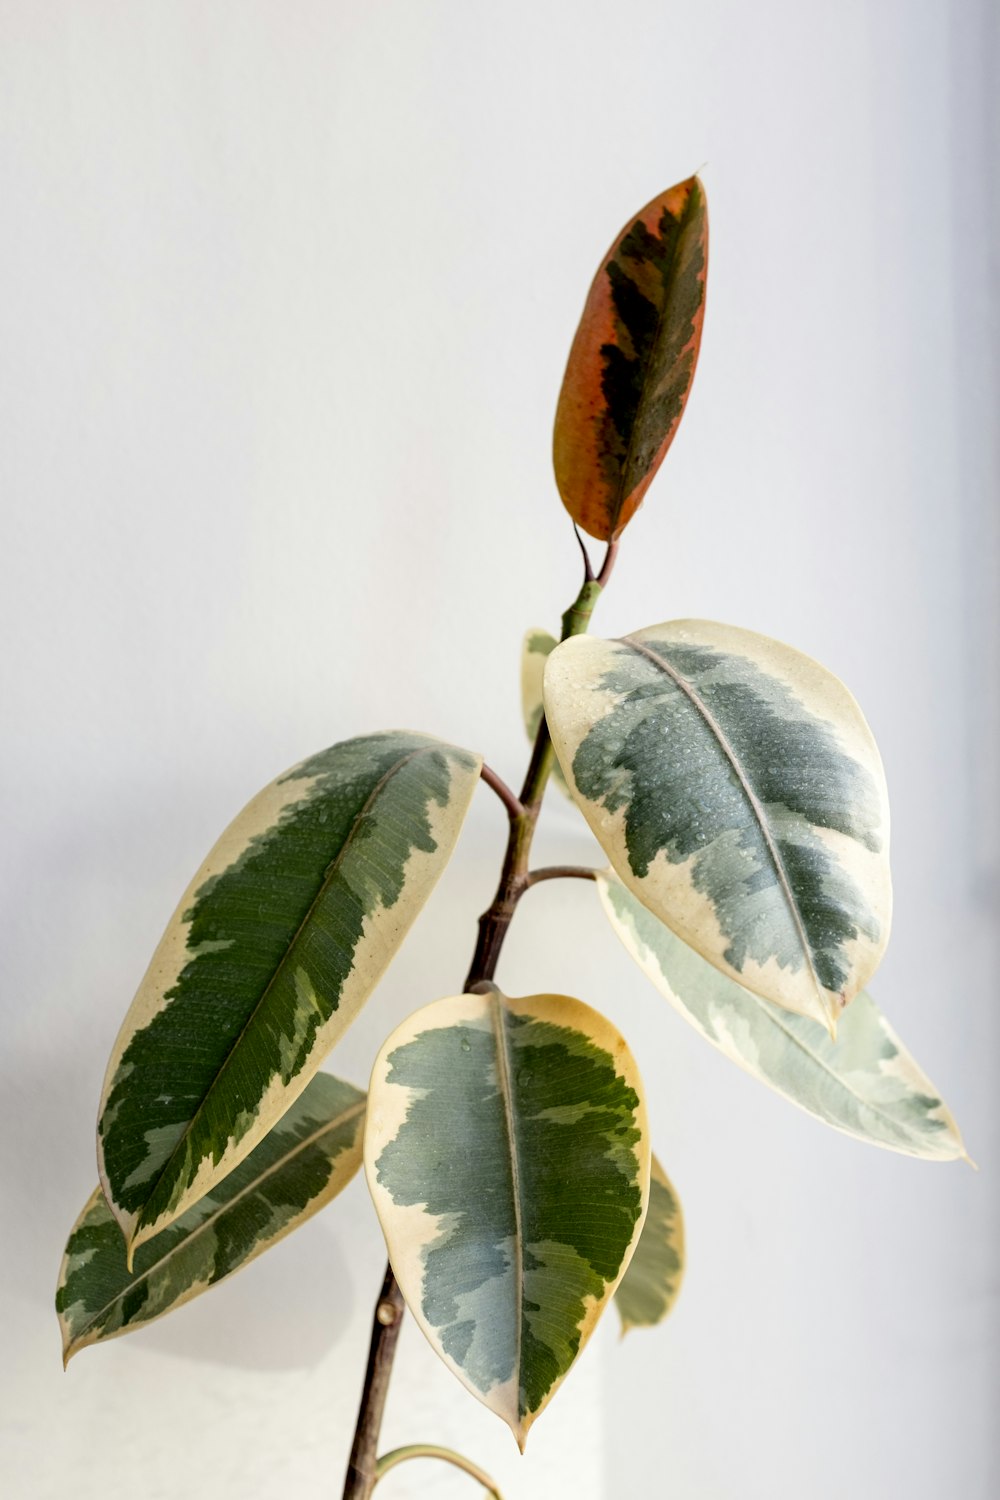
[
  {"x": 184, "y": 1140},
  {"x": 774, "y": 853},
  {"x": 504, "y": 1086}
]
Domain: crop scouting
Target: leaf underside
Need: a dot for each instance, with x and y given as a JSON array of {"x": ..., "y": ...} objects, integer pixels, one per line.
[
  {"x": 506, "y": 1152},
  {"x": 536, "y": 649},
  {"x": 738, "y": 792},
  {"x": 633, "y": 361},
  {"x": 277, "y": 943},
  {"x": 301, "y": 1164},
  {"x": 865, "y": 1083},
  {"x": 648, "y": 1290}
]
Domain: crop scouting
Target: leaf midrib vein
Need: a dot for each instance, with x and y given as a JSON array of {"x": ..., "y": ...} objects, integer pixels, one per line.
[
  {"x": 504, "y": 1087},
  {"x": 838, "y": 1078},
  {"x": 756, "y": 806},
  {"x": 644, "y": 396},
  {"x": 331, "y": 872},
  {"x": 771, "y": 1014}
]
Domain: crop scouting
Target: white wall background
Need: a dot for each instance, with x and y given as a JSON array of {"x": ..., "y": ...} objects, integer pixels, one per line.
[{"x": 286, "y": 292}]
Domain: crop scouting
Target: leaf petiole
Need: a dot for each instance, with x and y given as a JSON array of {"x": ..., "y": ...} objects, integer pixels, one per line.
[{"x": 559, "y": 872}]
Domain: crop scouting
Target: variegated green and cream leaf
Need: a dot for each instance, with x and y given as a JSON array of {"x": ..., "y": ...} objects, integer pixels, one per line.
[
  {"x": 538, "y": 646},
  {"x": 649, "y": 1288},
  {"x": 738, "y": 792},
  {"x": 865, "y": 1083},
  {"x": 303, "y": 1162},
  {"x": 506, "y": 1151},
  {"x": 277, "y": 943},
  {"x": 632, "y": 362}
]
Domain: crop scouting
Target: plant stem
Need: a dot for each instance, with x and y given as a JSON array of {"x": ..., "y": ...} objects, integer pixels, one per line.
[
  {"x": 514, "y": 875},
  {"x": 560, "y": 872},
  {"x": 361, "y": 1471},
  {"x": 515, "y": 878}
]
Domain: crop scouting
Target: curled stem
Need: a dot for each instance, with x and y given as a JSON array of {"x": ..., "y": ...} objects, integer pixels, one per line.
[{"x": 430, "y": 1450}]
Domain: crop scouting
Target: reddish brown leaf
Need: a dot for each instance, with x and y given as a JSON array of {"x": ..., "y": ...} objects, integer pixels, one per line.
[{"x": 632, "y": 362}]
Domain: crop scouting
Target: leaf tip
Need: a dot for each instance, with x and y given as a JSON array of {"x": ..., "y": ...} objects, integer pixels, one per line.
[
  {"x": 519, "y": 1427},
  {"x": 833, "y": 1008}
]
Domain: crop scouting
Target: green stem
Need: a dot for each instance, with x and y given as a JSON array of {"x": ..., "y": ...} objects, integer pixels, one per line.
[
  {"x": 515, "y": 878},
  {"x": 577, "y": 618},
  {"x": 430, "y": 1450}
]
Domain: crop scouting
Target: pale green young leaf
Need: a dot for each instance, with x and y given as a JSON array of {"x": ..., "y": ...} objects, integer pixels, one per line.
[
  {"x": 506, "y": 1151},
  {"x": 277, "y": 943},
  {"x": 303, "y": 1162},
  {"x": 535, "y": 651},
  {"x": 738, "y": 792},
  {"x": 865, "y": 1083},
  {"x": 649, "y": 1288}
]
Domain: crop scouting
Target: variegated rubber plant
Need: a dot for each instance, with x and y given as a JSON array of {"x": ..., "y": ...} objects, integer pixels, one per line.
[{"x": 739, "y": 797}]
